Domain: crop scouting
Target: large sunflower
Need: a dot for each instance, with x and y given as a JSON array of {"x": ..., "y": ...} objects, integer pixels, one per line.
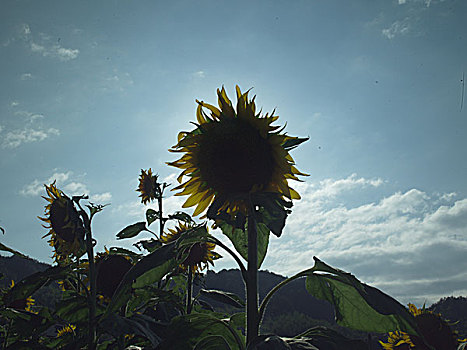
[
  {"x": 199, "y": 255},
  {"x": 435, "y": 331},
  {"x": 66, "y": 226},
  {"x": 232, "y": 153}
]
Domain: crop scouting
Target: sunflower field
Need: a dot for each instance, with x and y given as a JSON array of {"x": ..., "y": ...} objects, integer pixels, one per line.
[{"x": 235, "y": 168}]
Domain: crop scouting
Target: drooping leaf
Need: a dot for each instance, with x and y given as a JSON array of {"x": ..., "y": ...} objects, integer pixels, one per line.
[
  {"x": 74, "y": 309},
  {"x": 149, "y": 244},
  {"x": 159, "y": 261},
  {"x": 239, "y": 239},
  {"x": 223, "y": 297},
  {"x": 273, "y": 211},
  {"x": 152, "y": 215},
  {"x": 132, "y": 230},
  {"x": 184, "y": 332},
  {"x": 10, "y": 250},
  {"x": 357, "y": 305}
]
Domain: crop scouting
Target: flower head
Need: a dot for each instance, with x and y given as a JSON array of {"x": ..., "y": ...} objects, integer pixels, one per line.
[
  {"x": 198, "y": 255},
  {"x": 110, "y": 271},
  {"x": 233, "y": 153},
  {"x": 69, "y": 328},
  {"x": 65, "y": 224},
  {"x": 148, "y": 186},
  {"x": 434, "y": 330}
]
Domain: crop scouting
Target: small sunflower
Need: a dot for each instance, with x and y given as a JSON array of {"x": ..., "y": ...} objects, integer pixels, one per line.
[
  {"x": 69, "y": 328},
  {"x": 199, "y": 255},
  {"x": 148, "y": 186},
  {"x": 232, "y": 153},
  {"x": 66, "y": 226},
  {"x": 397, "y": 340}
]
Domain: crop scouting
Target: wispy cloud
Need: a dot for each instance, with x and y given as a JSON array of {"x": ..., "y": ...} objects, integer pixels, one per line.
[
  {"x": 69, "y": 183},
  {"x": 26, "y": 76},
  {"x": 199, "y": 74},
  {"x": 397, "y": 28},
  {"x": 42, "y": 44},
  {"x": 410, "y": 244},
  {"x": 15, "y": 138}
]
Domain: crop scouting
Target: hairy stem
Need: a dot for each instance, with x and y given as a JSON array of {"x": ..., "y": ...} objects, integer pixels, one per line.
[
  {"x": 189, "y": 291},
  {"x": 252, "y": 316}
]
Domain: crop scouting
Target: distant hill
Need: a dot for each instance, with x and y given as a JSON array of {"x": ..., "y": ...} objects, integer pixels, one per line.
[{"x": 291, "y": 311}]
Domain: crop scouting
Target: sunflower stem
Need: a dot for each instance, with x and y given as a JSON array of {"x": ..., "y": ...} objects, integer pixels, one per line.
[
  {"x": 189, "y": 291},
  {"x": 92, "y": 279},
  {"x": 252, "y": 316}
]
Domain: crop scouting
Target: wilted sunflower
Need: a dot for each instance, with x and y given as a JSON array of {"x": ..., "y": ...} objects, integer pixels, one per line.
[
  {"x": 66, "y": 226},
  {"x": 148, "y": 186},
  {"x": 232, "y": 153},
  {"x": 69, "y": 328},
  {"x": 200, "y": 254},
  {"x": 435, "y": 331}
]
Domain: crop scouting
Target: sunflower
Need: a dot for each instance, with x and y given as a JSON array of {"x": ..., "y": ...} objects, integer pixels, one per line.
[
  {"x": 66, "y": 226},
  {"x": 69, "y": 328},
  {"x": 148, "y": 186},
  {"x": 199, "y": 255},
  {"x": 233, "y": 153},
  {"x": 434, "y": 330},
  {"x": 397, "y": 340},
  {"x": 110, "y": 271}
]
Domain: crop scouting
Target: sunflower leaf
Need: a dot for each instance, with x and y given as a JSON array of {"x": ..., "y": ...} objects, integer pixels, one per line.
[
  {"x": 132, "y": 230},
  {"x": 357, "y": 305},
  {"x": 10, "y": 250},
  {"x": 223, "y": 297},
  {"x": 152, "y": 215},
  {"x": 322, "y": 337},
  {"x": 185, "y": 332},
  {"x": 239, "y": 239},
  {"x": 150, "y": 269},
  {"x": 182, "y": 216}
]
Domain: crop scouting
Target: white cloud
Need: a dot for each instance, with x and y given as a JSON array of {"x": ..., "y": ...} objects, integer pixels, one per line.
[
  {"x": 101, "y": 198},
  {"x": 15, "y": 138},
  {"x": 397, "y": 28},
  {"x": 75, "y": 189},
  {"x": 36, "y": 186},
  {"x": 199, "y": 74},
  {"x": 406, "y": 243},
  {"x": 26, "y": 76},
  {"x": 14, "y": 103},
  {"x": 44, "y": 45},
  {"x": 1, "y": 128}
]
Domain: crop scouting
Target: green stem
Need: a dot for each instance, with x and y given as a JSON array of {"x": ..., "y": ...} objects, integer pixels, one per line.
[
  {"x": 92, "y": 279},
  {"x": 189, "y": 291},
  {"x": 252, "y": 316},
  {"x": 235, "y": 256},
  {"x": 276, "y": 288}
]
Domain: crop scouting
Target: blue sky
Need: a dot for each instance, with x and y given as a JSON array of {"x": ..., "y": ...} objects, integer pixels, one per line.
[{"x": 93, "y": 92}]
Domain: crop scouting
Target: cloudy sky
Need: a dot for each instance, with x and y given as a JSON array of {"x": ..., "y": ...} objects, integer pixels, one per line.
[{"x": 93, "y": 92}]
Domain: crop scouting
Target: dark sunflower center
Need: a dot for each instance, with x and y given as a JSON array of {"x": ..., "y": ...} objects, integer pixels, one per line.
[
  {"x": 234, "y": 157},
  {"x": 436, "y": 332},
  {"x": 197, "y": 254},
  {"x": 65, "y": 220}
]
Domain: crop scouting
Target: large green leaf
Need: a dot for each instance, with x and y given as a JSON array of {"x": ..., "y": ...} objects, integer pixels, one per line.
[
  {"x": 132, "y": 230},
  {"x": 185, "y": 332},
  {"x": 151, "y": 268},
  {"x": 356, "y": 304},
  {"x": 239, "y": 239},
  {"x": 326, "y": 338},
  {"x": 152, "y": 215}
]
